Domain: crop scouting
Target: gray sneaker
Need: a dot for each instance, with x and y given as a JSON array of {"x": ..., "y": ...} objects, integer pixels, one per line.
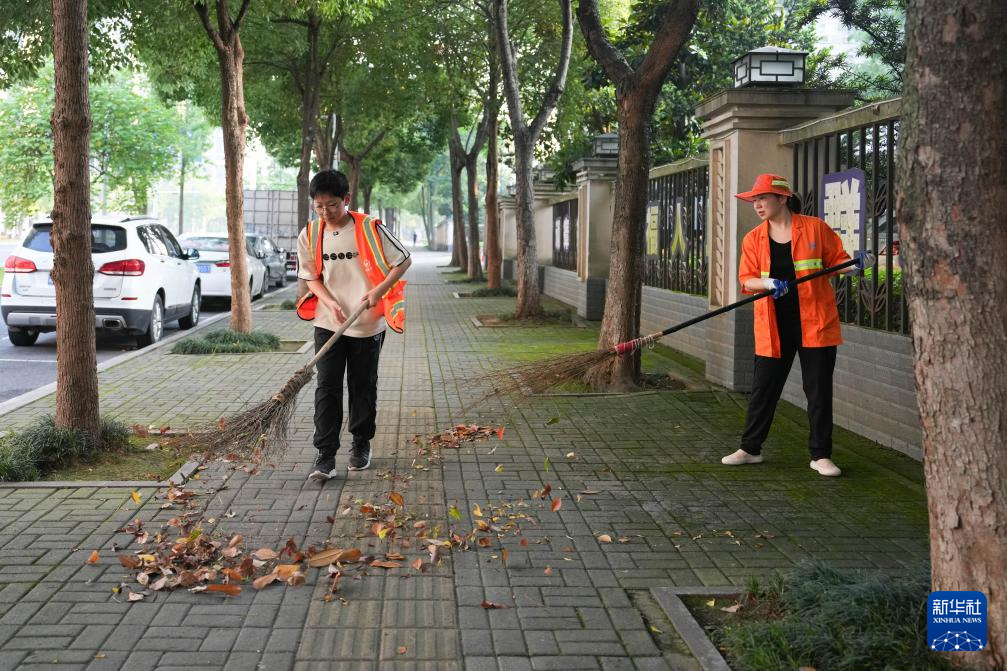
[
  {"x": 324, "y": 468},
  {"x": 360, "y": 456}
]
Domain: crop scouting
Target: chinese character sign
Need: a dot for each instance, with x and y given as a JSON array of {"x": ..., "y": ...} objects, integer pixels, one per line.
[
  {"x": 843, "y": 203},
  {"x": 956, "y": 621},
  {"x": 653, "y": 229}
]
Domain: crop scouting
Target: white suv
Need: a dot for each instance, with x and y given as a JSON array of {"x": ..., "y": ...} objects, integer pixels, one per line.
[{"x": 142, "y": 280}]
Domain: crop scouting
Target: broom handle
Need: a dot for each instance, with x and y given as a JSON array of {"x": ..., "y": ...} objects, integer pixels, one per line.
[
  {"x": 625, "y": 347},
  {"x": 336, "y": 334}
]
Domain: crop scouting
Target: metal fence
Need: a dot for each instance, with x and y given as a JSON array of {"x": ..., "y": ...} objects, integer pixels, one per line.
[
  {"x": 564, "y": 235},
  {"x": 676, "y": 227},
  {"x": 866, "y": 139}
]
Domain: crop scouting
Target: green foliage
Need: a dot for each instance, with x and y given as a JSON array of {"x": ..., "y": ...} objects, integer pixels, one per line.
[
  {"x": 827, "y": 619},
  {"x": 507, "y": 290},
  {"x": 26, "y": 454},
  {"x": 135, "y": 141},
  {"x": 225, "y": 341}
]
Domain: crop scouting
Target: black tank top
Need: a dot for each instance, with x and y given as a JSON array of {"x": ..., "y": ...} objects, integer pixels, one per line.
[{"x": 788, "y": 308}]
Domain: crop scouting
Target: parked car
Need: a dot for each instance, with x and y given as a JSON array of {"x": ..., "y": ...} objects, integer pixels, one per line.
[
  {"x": 214, "y": 265},
  {"x": 143, "y": 279},
  {"x": 271, "y": 256}
]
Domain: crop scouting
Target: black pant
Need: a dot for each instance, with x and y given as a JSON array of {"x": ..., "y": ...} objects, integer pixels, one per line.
[
  {"x": 358, "y": 358},
  {"x": 817, "y": 366}
]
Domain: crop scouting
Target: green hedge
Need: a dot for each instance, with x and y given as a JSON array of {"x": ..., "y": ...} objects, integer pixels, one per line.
[
  {"x": 43, "y": 446},
  {"x": 226, "y": 341}
]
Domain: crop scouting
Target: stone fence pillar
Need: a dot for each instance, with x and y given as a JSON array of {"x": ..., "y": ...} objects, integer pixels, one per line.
[{"x": 742, "y": 127}]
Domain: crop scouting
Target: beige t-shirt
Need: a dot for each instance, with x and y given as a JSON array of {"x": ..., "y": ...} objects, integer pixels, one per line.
[{"x": 344, "y": 277}]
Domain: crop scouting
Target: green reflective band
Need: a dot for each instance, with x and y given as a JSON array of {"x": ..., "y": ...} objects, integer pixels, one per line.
[
  {"x": 782, "y": 182},
  {"x": 808, "y": 264},
  {"x": 765, "y": 273}
]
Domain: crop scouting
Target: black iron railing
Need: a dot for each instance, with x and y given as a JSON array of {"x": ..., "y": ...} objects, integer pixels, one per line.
[
  {"x": 875, "y": 299},
  {"x": 564, "y": 235},
  {"x": 676, "y": 230}
]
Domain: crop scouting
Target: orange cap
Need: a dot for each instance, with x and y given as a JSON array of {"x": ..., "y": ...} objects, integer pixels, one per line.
[{"x": 768, "y": 183}]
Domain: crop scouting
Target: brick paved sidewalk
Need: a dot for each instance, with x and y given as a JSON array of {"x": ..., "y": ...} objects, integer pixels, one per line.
[{"x": 674, "y": 514}]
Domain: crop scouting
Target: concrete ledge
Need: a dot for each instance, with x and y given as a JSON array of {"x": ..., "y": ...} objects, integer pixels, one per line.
[
  {"x": 702, "y": 648},
  {"x": 180, "y": 477}
]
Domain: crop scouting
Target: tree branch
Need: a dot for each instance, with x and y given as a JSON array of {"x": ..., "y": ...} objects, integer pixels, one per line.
[
  {"x": 559, "y": 78},
  {"x": 507, "y": 61},
  {"x": 204, "y": 17},
  {"x": 674, "y": 31},
  {"x": 611, "y": 59},
  {"x": 236, "y": 25}
]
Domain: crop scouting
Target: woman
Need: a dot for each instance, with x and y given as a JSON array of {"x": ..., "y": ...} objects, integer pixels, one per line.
[{"x": 786, "y": 246}]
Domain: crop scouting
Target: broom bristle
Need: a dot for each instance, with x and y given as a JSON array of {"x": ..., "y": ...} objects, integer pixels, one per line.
[
  {"x": 256, "y": 431},
  {"x": 536, "y": 377}
]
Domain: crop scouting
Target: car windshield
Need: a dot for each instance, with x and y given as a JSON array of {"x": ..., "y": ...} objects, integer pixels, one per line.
[
  {"x": 104, "y": 239},
  {"x": 206, "y": 244}
]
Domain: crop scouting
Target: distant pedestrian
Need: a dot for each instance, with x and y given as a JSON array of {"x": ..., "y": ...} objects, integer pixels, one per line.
[
  {"x": 804, "y": 323},
  {"x": 348, "y": 258},
  {"x": 415, "y": 238}
]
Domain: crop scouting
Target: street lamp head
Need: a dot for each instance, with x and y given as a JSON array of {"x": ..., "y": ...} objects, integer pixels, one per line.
[{"x": 770, "y": 66}]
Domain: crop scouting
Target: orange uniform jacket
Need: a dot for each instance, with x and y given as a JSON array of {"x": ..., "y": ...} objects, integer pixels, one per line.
[{"x": 814, "y": 246}]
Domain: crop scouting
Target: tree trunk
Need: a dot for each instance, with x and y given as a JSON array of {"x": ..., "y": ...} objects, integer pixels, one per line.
[
  {"x": 529, "y": 293},
  {"x": 235, "y": 121},
  {"x": 621, "y": 321},
  {"x": 475, "y": 268},
  {"x": 181, "y": 197},
  {"x": 952, "y": 210},
  {"x": 354, "y": 181},
  {"x": 368, "y": 190},
  {"x": 494, "y": 255},
  {"x": 73, "y": 270},
  {"x": 459, "y": 253}
]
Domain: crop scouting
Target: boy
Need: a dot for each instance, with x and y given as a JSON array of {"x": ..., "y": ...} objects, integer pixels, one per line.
[{"x": 360, "y": 261}]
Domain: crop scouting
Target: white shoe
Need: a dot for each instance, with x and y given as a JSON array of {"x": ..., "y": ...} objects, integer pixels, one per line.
[
  {"x": 741, "y": 457},
  {"x": 826, "y": 467}
]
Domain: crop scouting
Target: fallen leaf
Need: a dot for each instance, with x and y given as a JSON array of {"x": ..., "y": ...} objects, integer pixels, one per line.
[
  {"x": 503, "y": 556},
  {"x": 546, "y": 464},
  {"x": 130, "y": 562},
  {"x": 326, "y": 557},
  {"x": 378, "y": 563},
  {"x": 477, "y": 511},
  {"x": 556, "y": 504},
  {"x": 237, "y": 538},
  {"x": 134, "y": 596},
  {"x": 100, "y": 655},
  {"x": 605, "y": 538},
  {"x": 500, "y": 433},
  {"x": 490, "y": 605},
  {"x": 284, "y": 571},
  {"x": 571, "y": 455},
  {"x": 402, "y": 649},
  {"x": 135, "y": 495},
  {"x": 229, "y": 590},
  {"x": 159, "y": 584},
  {"x": 590, "y": 492},
  {"x": 265, "y": 554},
  {"x": 711, "y": 603},
  {"x": 232, "y": 574},
  {"x": 417, "y": 564},
  {"x": 732, "y": 609},
  {"x": 397, "y": 499},
  {"x": 264, "y": 581},
  {"x": 551, "y": 421},
  {"x": 524, "y": 542},
  {"x": 548, "y": 570},
  {"x": 93, "y": 558},
  {"x": 141, "y": 430},
  {"x": 454, "y": 512},
  {"x": 499, "y": 468},
  {"x": 296, "y": 579}
]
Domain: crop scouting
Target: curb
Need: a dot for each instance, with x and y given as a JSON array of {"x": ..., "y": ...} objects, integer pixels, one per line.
[
  {"x": 179, "y": 478},
  {"x": 702, "y": 648}
]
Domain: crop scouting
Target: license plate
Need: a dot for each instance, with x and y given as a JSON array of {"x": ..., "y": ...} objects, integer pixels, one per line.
[{"x": 203, "y": 267}]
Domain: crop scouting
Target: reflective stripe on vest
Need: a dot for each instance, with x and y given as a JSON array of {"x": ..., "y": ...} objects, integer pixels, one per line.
[
  {"x": 377, "y": 252},
  {"x": 808, "y": 264}
]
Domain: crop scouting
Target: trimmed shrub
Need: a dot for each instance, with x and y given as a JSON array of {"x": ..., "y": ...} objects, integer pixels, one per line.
[
  {"x": 226, "y": 341},
  {"x": 43, "y": 446}
]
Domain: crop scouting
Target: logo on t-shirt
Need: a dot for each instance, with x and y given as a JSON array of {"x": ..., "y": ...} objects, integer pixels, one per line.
[{"x": 340, "y": 256}]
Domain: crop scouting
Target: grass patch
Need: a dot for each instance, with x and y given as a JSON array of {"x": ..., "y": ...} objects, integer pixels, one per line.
[
  {"x": 830, "y": 620},
  {"x": 225, "y": 341},
  {"x": 564, "y": 317},
  {"x": 506, "y": 291},
  {"x": 133, "y": 462},
  {"x": 285, "y": 305},
  {"x": 43, "y": 447}
]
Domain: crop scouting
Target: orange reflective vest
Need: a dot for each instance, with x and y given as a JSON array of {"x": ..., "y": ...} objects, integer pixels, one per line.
[
  {"x": 814, "y": 246},
  {"x": 375, "y": 265}
]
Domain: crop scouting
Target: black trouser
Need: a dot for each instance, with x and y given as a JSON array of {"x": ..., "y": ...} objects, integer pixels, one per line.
[
  {"x": 817, "y": 366},
  {"x": 358, "y": 358}
]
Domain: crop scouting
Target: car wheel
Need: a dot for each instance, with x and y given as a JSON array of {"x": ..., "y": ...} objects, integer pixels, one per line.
[
  {"x": 156, "y": 327},
  {"x": 22, "y": 338},
  {"x": 262, "y": 287},
  {"x": 192, "y": 318}
]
